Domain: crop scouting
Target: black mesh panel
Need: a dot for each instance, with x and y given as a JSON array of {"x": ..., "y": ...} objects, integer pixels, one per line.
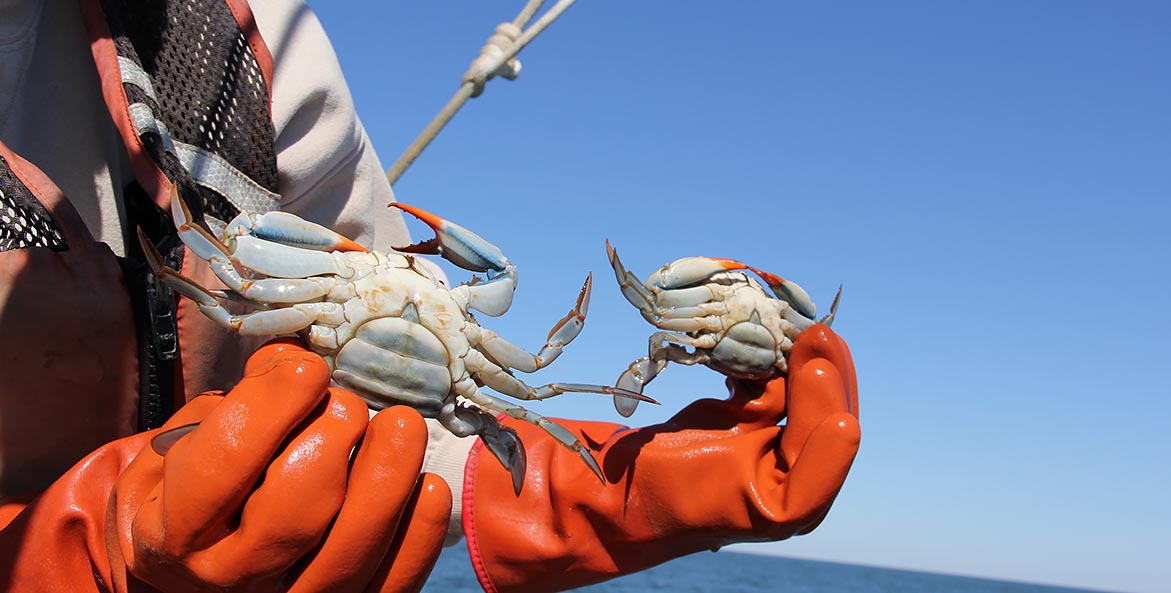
[
  {"x": 24, "y": 221},
  {"x": 210, "y": 90}
]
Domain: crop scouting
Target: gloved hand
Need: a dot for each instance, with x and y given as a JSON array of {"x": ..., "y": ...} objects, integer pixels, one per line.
[
  {"x": 719, "y": 472},
  {"x": 260, "y": 496}
]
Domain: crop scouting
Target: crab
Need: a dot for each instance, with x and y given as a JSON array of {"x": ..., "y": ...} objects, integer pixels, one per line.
[
  {"x": 713, "y": 306},
  {"x": 389, "y": 329}
]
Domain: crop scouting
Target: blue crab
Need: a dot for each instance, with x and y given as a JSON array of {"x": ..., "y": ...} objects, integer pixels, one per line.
[
  {"x": 390, "y": 330},
  {"x": 713, "y": 306}
]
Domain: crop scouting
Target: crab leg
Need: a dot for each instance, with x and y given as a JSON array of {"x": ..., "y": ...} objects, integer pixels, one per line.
[
  {"x": 506, "y": 446},
  {"x": 559, "y": 433},
  {"x": 497, "y": 378},
  {"x": 260, "y": 323},
  {"x": 271, "y": 290},
  {"x": 646, "y": 368},
  {"x": 515, "y": 357},
  {"x": 632, "y": 287},
  {"x": 670, "y": 310},
  {"x": 262, "y": 291},
  {"x": 257, "y": 254},
  {"x": 503, "y": 443},
  {"x": 684, "y": 297},
  {"x": 690, "y": 324},
  {"x": 643, "y": 370}
]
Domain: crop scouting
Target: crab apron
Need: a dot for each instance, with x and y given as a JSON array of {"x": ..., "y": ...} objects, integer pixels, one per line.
[{"x": 93, "y": 347}]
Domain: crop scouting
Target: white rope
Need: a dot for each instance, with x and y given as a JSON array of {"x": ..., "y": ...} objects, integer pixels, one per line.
[
  {"x": 497, "y": 58},
  {"x": 526, "y": 13}
]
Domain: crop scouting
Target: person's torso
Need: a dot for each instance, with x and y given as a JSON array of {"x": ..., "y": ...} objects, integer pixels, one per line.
[{"x": 179, "y": 95}]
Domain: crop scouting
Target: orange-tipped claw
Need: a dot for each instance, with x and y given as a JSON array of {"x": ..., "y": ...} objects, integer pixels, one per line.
[
  {"x": 454, "y": 243},
  {"x": 432, "y": 220}
]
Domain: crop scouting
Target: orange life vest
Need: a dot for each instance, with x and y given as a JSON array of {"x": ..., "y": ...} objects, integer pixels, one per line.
[{"x": 90, "y": 344}]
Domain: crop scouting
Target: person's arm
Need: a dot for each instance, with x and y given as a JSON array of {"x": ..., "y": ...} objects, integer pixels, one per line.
[
  {"x": 329, "y": 172},
  {"x": 262, "y": 494},
  {"x": 719, "y": 472}
]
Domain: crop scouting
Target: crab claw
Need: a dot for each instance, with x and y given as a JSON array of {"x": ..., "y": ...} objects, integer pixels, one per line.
[
  {"x": 790, "y": 292},
  {"x": 455, "y": 243},
  {"x": 691, "y": 270}
]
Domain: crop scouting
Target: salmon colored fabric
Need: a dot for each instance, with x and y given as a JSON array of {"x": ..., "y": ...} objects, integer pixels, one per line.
[{"x": 68, "y": 356}]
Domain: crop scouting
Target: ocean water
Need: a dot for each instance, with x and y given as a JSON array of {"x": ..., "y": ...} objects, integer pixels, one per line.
[{"x": 734, "y": 572}]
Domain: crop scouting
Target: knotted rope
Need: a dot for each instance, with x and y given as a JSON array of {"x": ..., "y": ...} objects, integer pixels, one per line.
[
  {"x": 497, "y": 58},
  {"x": 489, "y": 63}
]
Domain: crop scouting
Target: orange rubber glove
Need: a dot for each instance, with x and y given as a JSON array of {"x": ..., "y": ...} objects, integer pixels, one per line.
[
  {"x": 719, "y": 472},
  {"x": 260, "y": 496}
]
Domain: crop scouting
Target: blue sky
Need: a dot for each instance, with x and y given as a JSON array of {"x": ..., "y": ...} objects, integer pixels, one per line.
[{"x": 990, "y": 181}]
